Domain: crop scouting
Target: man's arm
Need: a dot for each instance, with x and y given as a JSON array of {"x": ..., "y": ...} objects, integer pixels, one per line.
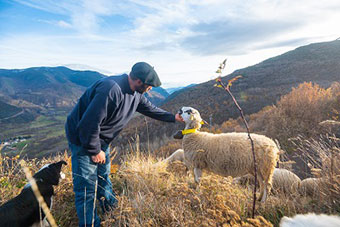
[
  {"x": 89, "y": 125},
  {"x": 145, "y": 107}
]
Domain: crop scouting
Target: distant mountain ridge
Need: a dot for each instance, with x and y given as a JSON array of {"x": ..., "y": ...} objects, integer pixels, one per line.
[
  {"x": 174, "y": 89},
  {"x": 177, "y": 91},
  {"x": 157, "y": 95},
  {"x": 51, "y": 87},
  {"x": 45, "y": 86}
]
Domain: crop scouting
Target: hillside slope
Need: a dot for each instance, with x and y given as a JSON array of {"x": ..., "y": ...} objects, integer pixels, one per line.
[
  {"x": 51, "y": 86},
  {"x": 264, "y": 83},
  {"x": 261, "y": 85},
  {"x": 34, "y": 103},
  {"x": 45, "y": 86}
]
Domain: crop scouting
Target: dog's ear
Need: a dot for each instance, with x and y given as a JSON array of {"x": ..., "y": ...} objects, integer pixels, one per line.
[{"x": 58, "y": 165}]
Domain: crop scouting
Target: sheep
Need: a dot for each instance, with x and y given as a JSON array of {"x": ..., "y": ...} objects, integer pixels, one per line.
[
  {"x": 244, "y": 180},
  {"x": 330, "y": 124},
  {"x": 178, "y": 155},
  {"x": 283, "y": 181},
  {"x": 311, "y": 220},
  {"x": 310, "y": 186},
  {"x": 331, "y": 127},
  {"x": 227, "y": 154}
]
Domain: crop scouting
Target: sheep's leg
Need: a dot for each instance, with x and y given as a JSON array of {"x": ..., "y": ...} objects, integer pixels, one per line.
[
  {"x": 264, "y": 196},
  {"x": 262, "y": 186},
  {"x": 268, "y": 185},
  {"x": 198, "y": 174}
]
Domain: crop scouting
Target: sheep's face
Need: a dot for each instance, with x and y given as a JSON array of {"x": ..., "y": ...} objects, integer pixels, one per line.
[{"x": 191, "y": 117}]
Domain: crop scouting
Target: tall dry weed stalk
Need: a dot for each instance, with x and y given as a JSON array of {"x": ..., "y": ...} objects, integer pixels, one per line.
[{"x": 227, "y": 89}]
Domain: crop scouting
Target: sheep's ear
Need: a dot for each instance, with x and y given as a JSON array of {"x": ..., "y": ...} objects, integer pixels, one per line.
[
  {"x": 204, "y": 122},
  {"x": 195, "y": 124}
]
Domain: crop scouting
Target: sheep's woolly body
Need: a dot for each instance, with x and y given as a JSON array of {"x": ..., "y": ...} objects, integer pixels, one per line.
[
  {"x": 228, "y": 154},
  {"x": 331, "y": 127},
  {"x": 310, "y": 186},
  {"x": 285, "y": 181},
  {"x": 330, "y": 123},
  {"x": 311, "y": 220}
]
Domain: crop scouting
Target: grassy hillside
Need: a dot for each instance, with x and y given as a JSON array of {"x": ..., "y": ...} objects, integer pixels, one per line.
[
  {"x": 8, "y": 110},
  {"x": 151, "y": 193},
  {"x": 46, "y": 134},
  {"x": 35, "y": 102}
]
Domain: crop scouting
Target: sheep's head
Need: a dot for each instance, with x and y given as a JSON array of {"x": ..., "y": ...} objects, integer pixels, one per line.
[{"x": 191, "y": 117}]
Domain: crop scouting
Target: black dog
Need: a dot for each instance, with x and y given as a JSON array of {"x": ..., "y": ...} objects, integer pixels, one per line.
[{"x": 23, "y": 210}]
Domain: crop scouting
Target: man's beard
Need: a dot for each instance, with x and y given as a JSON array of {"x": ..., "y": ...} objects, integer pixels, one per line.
[{"x": 141, "y": 89}]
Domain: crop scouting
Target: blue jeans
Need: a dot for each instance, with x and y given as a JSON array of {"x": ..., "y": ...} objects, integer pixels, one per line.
[{"x": 86, "y": 175}]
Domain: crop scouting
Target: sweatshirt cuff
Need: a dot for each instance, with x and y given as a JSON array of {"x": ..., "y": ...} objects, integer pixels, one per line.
[
  {"x": 174, "y": 118},
  {"x": 91, "y": 151}
]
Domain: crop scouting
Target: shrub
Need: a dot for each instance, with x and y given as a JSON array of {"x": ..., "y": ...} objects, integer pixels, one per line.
[{"x": 298, "y": 113}]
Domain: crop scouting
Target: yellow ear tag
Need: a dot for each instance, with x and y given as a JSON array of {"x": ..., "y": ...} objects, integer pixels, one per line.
[
  {"x": 202, "y": 122},
  {"x": 191, "y": 118}
]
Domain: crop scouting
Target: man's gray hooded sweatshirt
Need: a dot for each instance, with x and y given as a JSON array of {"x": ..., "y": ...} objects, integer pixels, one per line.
[{"x": 103, "y": 111}]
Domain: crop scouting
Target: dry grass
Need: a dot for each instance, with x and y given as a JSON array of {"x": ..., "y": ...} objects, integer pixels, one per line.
[{"x": 153, "y": 194}]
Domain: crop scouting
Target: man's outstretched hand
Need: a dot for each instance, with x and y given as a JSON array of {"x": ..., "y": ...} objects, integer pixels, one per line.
[
  {"x": 99, "y": 158},
  {"x": 179, "y": 118}
]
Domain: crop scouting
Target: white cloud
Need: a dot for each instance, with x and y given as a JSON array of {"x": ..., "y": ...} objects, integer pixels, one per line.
[
  {"x": 184, "y": 40},
  {"x": 64, "y": 24}
]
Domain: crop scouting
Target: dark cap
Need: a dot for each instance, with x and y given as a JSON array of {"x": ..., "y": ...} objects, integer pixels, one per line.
[{"x": 146, "y": 73}]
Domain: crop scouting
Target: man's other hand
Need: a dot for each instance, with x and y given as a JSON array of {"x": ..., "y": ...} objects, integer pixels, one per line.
[
  {"x": 179, "y": 118},
  {"x": 99, "y": 158}
]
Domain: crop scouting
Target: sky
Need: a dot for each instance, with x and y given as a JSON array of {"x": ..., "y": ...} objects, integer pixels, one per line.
[{"x": 184, "y": 40}]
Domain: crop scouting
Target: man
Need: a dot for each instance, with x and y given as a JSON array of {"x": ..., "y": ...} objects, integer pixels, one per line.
[{"x": 98, "y": 117}]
